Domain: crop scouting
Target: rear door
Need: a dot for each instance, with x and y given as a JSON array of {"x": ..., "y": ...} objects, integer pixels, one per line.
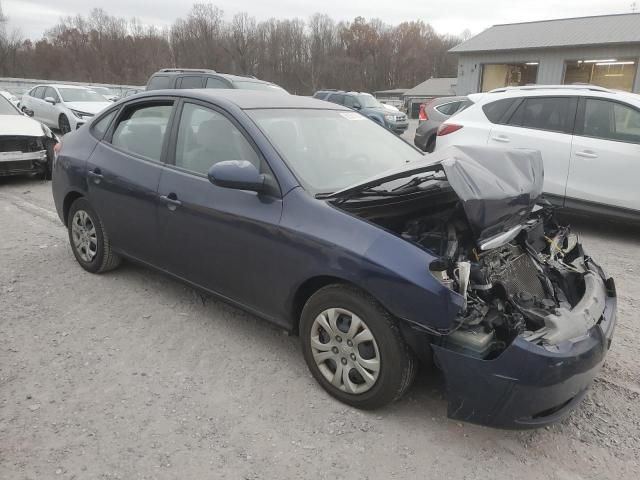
[
  {"x": 544, "y": 124},
  {"x": 123, "y": 174},
  {"x": 605, "y": 156},
  {"x": 219, "y": 238}
]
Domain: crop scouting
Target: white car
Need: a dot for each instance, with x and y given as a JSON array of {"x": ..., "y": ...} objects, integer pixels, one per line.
[
  {"x": 26, "y": 146},
  {"x": 65, "y": 107},
  {"x": 11, "y": 97},
  {"x": 589, "y": 138}
]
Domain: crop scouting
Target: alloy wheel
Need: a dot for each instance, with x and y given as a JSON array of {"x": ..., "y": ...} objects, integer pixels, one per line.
[
  {"x": 85, "y": 239},
  {"x": 345, "y": 350},
  {"x": 64, "y": 125}
]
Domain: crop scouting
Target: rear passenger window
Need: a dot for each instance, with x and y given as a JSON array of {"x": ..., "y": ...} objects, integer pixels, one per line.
[
  {"x": 206, "y": 137},
  {"x": 336, "y": 98},
  {"x": 141, "y": 129},
  {"x": 158, "y": 82},
  {"x": 495, "y": 111},
  {"x": 545, "y": 113},
  {"x": 215, "y": 83},
  {"x": 191, "y": 82},
  {"x": 611, "y": 121}
]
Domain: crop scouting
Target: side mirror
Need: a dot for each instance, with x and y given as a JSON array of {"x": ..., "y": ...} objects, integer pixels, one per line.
[
  {"x": 357, "y": 106},
  {"x": 28, "y": 112},
  {"x": 50, "y": 100},
  {"x": 237, "y": 174}
]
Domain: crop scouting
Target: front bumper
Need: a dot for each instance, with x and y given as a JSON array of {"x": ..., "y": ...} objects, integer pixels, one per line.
[
  {"x": 398, "y": 127},
  {"x": 527, "y": 386}
]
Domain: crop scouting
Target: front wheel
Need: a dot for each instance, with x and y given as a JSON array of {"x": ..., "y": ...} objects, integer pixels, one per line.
[
  {"x": 354, "y": 348},
  {"x": 89, "y": 239}
]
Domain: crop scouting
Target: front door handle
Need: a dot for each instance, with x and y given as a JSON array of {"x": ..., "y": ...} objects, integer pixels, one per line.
[
  {"x": 587, "y": 154},
  {"x": 501, "y": 138},
  {"x": 171, "y": 201},
  {"x": 95, "y": 175}
]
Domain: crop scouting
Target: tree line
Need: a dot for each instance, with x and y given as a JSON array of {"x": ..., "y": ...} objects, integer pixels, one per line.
[{"x": 301, "y": 56}]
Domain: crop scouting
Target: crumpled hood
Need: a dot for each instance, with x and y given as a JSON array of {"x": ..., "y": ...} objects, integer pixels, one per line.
[
  {"x": 498, "y": 187},
  {"x": 89, "y": 107},
  {"x": 20, "y": 125}
]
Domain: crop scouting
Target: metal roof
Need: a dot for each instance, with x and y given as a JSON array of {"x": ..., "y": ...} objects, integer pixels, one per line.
[
  {"x": 434, "y": 87},
  {"x": 392, "y": 91},
  {"x": 564, "y": 32}
]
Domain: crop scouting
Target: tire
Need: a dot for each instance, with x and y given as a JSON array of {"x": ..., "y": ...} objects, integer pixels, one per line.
[
  {"x": 63, "y": 123},
  {"x": 396, "y": 364},
  {"x": 431, "y": 144},
  {"x": 95, "y": 254},
  {"x": 46, "y": 173}
]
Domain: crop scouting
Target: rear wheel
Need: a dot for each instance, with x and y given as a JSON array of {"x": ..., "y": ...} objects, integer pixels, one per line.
[
  {"x": 64, "y": 125},
  {"x": 354, "y": 348},
  {"x": 431, "y": 144},
  {"x": 89, "y": 239}
]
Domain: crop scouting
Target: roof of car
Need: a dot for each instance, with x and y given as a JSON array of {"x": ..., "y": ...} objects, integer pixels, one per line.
[
  {"x": 557, "y": 90},
  {"x": 249, "y": 99},
  {"x": 195, "y": 71}
]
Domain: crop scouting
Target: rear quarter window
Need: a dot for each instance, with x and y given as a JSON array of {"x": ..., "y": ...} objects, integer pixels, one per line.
[{"x": 496, "y": 111}]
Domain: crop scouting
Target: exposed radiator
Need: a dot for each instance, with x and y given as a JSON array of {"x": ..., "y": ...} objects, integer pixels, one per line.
[{"x": 519, "y": 274}]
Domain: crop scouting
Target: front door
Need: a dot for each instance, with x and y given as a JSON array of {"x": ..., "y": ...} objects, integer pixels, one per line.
[
  {"x": 123, "y": 174},
  {"x": 605, "y": 157},
  {"x": 218, "y": 238},
  {"x": 544, "y": 124}
]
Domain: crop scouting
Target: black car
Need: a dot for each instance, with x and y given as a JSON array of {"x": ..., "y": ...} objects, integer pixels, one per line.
[
  {"x": 183, "y": 78},
  {"x": 434, "y": 113},
  {"x": 332, "y": 227}
]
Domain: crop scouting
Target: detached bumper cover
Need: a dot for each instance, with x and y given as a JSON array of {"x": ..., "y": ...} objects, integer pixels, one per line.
[{"x": 527, "y": 386}]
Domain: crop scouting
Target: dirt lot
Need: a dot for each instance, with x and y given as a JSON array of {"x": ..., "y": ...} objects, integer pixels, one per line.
[{"x": 131, "y": 375}]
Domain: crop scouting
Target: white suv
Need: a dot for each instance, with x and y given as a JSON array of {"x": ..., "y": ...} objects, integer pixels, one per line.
[
  {"x": 65, "y": 107},
  {"x": 589, "y": 138}
]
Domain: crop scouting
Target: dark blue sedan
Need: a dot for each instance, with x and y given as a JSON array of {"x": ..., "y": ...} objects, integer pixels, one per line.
[{"x": 323, "y": 222}]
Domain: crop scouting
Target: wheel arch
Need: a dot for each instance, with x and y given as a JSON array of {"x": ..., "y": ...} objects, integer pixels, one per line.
[
  {"x": 69, "y": 198},
  {"x": 307, "y": 288}
]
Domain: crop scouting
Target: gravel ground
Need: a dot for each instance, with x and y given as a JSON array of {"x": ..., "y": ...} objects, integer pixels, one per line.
[{"x": 132, "y": 375}]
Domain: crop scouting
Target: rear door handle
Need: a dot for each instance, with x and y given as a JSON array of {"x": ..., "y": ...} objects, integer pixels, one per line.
[
  {"x": 587, "y": 154},
  {"x": 501, "y": 138},
  {"x": 96, "y": 175},
  {"x": 171, "y": 201}
]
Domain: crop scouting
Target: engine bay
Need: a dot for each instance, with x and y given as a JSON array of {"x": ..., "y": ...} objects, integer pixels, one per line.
[{"x": 538, "y": 285}]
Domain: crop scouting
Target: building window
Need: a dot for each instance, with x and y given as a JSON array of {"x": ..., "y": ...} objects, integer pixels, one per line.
[
  {"x": 610, "y": 72},
  {"x": 498, "y": 75}
]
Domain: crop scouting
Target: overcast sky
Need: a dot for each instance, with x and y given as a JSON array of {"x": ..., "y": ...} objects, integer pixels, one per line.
[{"x": 33, "y": 17}]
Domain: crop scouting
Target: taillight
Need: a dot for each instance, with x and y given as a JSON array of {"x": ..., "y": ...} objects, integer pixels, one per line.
[
  {"x": 447, "y": 128},
  {"x": 422, "y": 116}
]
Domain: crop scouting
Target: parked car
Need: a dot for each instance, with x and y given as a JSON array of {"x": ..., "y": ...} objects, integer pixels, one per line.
[
  {"x": 181, "y": 78},
  {"x": 11, "y": 97},
  {"x": 431, "y": 117},
  {"x": 26, "y": 146},
  {"x": 65, "y": 107},
  {"x": 328, "y": 225},
  {"x": 105, "y": 92},
  {"x": 367, "y": 105},
  {"x": 589, "y": 138}
]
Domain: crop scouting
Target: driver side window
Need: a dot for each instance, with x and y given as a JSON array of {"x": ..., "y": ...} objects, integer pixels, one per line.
[{"x": 206, "y": 137}]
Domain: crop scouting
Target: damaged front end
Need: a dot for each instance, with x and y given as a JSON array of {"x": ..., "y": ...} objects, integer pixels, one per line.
[{"x": 538, "y": 313}]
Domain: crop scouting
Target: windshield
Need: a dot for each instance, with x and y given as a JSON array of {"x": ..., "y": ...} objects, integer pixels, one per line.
[
  {"x": 368, "y": 101},
  {"x": 6, "y": 107},
  {"x": 329, "y": 150},
  {"x": 80, "y": 95},
  {"x": 102, "y": 90},
  {"x": 259, "y": 86}
]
